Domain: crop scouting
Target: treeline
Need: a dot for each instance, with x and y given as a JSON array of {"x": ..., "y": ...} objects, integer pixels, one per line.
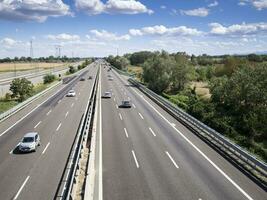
[
  {"x": 40, "y": 59},
  {"x": 237, "y": 107}
]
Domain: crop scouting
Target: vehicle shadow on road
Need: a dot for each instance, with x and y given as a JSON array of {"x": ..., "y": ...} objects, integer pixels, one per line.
[{"x": 16, "y": 151}]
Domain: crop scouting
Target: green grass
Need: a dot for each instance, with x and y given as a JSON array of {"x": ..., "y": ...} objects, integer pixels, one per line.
[{"x": 7, "y": 104}]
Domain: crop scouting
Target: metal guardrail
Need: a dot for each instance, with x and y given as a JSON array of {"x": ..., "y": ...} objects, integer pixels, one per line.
[
  {"x": 123, "y": 72},
  {"x": 203, "y": 129},
  {"x": 25, "y": 103},
  {"x": 28, "y": 101},
  {"x": 64, "y": 190}
]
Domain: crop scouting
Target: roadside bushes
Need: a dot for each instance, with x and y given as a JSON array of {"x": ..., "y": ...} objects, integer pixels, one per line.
[
  {"x": 21, "y": 88},
  {"x": 49, "y": 78}
]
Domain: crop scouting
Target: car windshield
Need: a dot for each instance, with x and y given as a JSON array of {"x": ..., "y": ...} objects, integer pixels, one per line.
[{"x": 27, "y": 139}]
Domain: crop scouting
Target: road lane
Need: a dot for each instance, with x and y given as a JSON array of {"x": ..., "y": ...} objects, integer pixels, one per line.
[
  {"x": 47, "y": 164},
  {"x": 198, "y": 175}
]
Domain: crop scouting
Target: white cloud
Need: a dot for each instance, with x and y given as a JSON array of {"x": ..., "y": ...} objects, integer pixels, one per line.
[
  {"x": 63, "y": 37},
  {"x": 107, "y": 36},
  {"x": 93, "y": 7},
  {"x": 214, "y": 4},
  {"x": 198, "y": 12},
  {"x": 162, "y": 30},
  {"x": 163, "y": 7},
  {"x": 258, "y": 4},
  {"x": 8, "y": 42},
  {"x": 238, "y": 29},
  {"x": 36, "y": 10}
]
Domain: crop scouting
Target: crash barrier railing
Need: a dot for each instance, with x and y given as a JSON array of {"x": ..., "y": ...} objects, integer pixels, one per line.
[
  {"x": 64, "y": 190},
  {"x": 233, "y": 150},
  {"x": 25, "y": 103},
  {"x": 123, "y": 72}
]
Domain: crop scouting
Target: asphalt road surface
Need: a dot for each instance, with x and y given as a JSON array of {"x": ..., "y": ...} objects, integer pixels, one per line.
[
  {"x": 144, "y": 153},
  {"x": 141, "y": 152},
  {"x": 37, "y": 175}
]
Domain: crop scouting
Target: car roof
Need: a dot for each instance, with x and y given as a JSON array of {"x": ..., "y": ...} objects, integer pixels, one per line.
[
  {"x": 71, "y": 91},
  {"x": 31, "y": 134}
]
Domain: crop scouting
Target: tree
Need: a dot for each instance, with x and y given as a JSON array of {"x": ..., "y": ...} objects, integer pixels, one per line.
[
  {"x": 21, "y": 88},
  {"x": 254, "y": 58},
  {"x": 139, "y": 58},
  {"x": 243, "y": 97},
  {"x": 157, "y": 72},
  {"x": 71, "y": 69},
  {"x": 49, "y": 78}
]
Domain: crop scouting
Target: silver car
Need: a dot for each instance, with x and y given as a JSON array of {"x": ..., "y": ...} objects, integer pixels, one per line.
[
  {"x": 71, "y": 93},
  {"x": 29, "y": 142}
]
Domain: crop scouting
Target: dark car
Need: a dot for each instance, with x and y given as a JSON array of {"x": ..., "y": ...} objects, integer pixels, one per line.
[
  {"x": 125, "y": 104},
  {"x": 90, "y": 77},
  {"x": 82, "y": 79},
  {"x": 107, "y": 95}
]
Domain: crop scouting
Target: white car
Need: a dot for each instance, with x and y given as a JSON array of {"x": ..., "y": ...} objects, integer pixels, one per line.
[
  {"x": 107, "y": 95},
  {"x": 110, "y": 78},
  {"x": 29, "y": 142},
  {"x": 71, "y": 93}
]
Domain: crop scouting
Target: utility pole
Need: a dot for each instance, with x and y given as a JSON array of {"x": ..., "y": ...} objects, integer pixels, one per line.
[
  {"x": 31, "y": 55},
  {"x": 31, "y": 49}
]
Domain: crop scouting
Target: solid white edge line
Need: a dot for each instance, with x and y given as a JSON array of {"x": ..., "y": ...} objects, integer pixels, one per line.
[
  {"x": 120, "y": 116},
  {"x": 21, "y": 187},
  {"x": 31, "y": 111},
  {"x": 199, "y": 151},
  {"x": 46, "y": 147},
  {"x": 141, "y": 115},
  {"x": 152, "y": 132},
  {"x": 135, "y": 159},
  {"x": 58, "y": 127},
  {"x": 37, "y": 124},
  {"x": 174, "y": 163},
  {"x": 100, "y": 170},
  {"x": 126, "y": 133},
  {"x": 48, "y": 112}
]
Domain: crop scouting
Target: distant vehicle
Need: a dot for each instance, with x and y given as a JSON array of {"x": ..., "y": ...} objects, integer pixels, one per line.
[
  {"x": 110, "y": 78},
  {"x": 125, "y": 104},
  {"x": 71, "y": 93},
  {"x": 90, "y": 77},
  {"x": 107, "y": 95},
  {"x": 109, "y": 75},
  {"x": 29, "y": 142},
  {"x": 82, "y": 79}
]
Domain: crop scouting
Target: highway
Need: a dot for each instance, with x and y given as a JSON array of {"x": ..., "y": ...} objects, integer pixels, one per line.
[
  {"x": 141, "y": 152},
  {"x": 37, "y": 175},
  {"x": 144, "y": 153}
]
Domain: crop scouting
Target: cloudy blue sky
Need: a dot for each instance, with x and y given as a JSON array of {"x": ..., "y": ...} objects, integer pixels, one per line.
[{"x": 100, "y": 27}]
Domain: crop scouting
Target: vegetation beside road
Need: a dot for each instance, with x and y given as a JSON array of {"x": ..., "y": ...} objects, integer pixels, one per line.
[
  {"x": 21, "y": 88},
  {"x": 11, "y": 67},
  {"x": 228, "y": 93}
]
